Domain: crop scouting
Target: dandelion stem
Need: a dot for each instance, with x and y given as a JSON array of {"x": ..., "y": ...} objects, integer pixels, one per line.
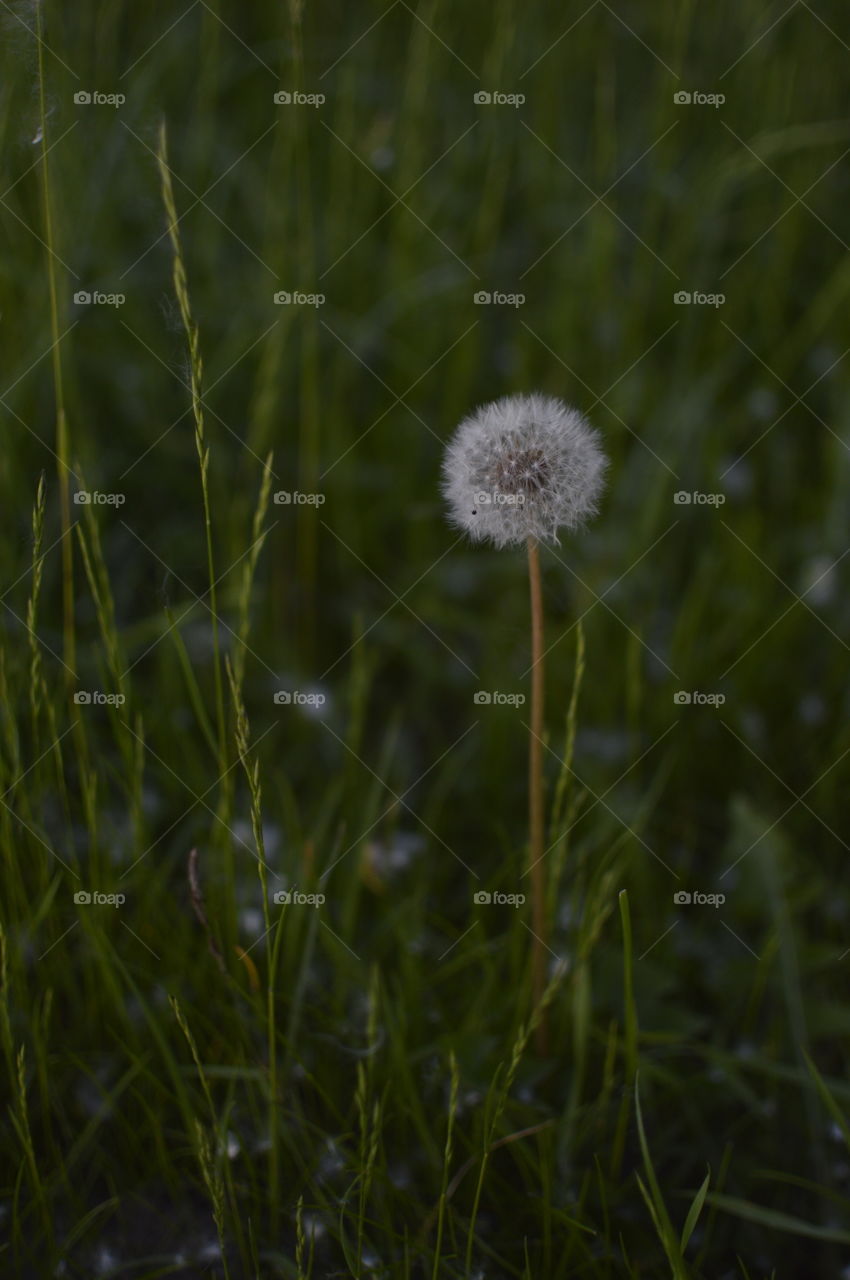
[{"x": 535, "y": 794}]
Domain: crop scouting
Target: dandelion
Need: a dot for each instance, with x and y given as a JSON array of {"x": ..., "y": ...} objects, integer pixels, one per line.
[
  {"x": 522, "y": 467},
  {"x": 516, "y": 471}
]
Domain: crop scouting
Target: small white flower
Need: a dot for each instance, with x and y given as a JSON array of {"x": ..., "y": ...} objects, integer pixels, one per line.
[{"x": 523, "y": 466}]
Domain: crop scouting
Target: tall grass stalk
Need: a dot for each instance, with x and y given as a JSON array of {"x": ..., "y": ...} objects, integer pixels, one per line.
[
  {"x": 249, "y": 569},
  {"x": 21, "y": 1123},
  {"x": 208, "y": 1159},
  {"x": 301, "y": 1244},
  {"x": 63, "y": 444},
  {"x": 630, "y": 1047},
  {"x": 495, "y": 1110},
  {"x": 370, "y": 1127},
  {"x": 309, "y": 431},
  {"x": 447, "y": 1161},
  {"x": 251, "y": 767},
  {"x": 37, "y": 689},
  {"x": 181, "y": 289}
]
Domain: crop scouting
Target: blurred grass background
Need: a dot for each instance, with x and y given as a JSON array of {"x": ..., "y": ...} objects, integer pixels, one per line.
[{"x": 324, "y": 1090}]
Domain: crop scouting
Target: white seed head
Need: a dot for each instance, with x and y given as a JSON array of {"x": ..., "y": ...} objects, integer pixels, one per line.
[{"x": 523, "y": 466}]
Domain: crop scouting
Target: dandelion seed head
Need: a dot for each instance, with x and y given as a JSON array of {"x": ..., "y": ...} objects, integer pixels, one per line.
[{"x": 522, "y": 466}]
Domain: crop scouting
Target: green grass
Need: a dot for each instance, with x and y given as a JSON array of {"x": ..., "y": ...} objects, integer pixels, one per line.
[{"x": 203, "y": 1082}]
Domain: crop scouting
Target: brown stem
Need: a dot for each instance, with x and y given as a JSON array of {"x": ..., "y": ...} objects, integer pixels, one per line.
[{"x": 535, "y": 795}]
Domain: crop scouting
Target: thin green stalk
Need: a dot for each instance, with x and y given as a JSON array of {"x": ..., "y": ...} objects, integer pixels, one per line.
[
  {"x": 308, "y": 444},
  {"x": 258, "y": 537},
  {"x": 20, "y": 1120},
  {"x": 36, "y": 667},
  {"x": 301, "y": 1243},
  {"x": 208, "y": 1159},
  {"x": 654, "y": 1201},
  {"x": 210, "y": 1155},
  {"x": 181, "y": 289},
  {"x": 525, "y": 1032},
  {"x": 630, "y": 1035},
  {"x": 447, "y": 1160},
  {"x": 62, "y": 437},
  {"x": 535, "y": 796},
  {"x": 252, "y": 773},
  {"x": 5, "y": 1020},
  {"x": 193, "y": 1049},
  {"x": 563, "y": 784},
  {"x": 369, "y": 1132}
]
